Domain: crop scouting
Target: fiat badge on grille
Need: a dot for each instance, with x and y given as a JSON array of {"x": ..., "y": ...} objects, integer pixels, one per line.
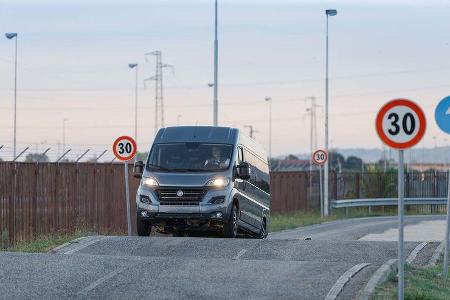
[{"x": 180, "y": 193}]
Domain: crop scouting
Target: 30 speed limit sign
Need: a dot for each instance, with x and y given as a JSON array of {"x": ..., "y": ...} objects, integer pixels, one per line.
[
  {"x": 124, "y": 148},
  {"x": 320, "y": 157},
  {"x": 401, "y": 124}
]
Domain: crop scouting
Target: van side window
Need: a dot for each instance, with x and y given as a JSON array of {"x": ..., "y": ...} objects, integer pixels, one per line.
[{"x": 259, "y": 171}]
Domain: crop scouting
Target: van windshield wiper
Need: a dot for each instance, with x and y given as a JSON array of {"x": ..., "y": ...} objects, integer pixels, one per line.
[
  {"x": 187, "y": 170},
  {"x": 159, "y": 167}
]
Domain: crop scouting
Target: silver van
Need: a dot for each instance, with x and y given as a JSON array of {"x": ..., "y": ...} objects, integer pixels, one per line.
[{"x": 203, "y": 178}]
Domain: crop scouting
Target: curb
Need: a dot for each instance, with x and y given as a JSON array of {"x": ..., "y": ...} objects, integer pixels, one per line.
[
  {"x": 413, "y": 255},
  {"x": 337, "y": 288},
  {"x": 76, "y": 244},
  {"x": 378, "y": 277},
  {"x": 436, "y": 255},
  {"x": 56, "y": 249}
]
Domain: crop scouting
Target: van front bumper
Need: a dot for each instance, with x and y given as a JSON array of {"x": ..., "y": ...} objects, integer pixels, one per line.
[{"x": 202, "y": 211}]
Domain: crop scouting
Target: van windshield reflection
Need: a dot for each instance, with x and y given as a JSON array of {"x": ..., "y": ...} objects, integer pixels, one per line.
[{"x": 190, "y": 157}]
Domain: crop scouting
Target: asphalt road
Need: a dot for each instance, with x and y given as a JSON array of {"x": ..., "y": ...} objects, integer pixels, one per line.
[{"x": 285, "y": 266}]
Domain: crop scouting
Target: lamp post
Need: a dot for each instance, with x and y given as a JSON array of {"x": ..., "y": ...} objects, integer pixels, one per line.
[
  {"x": 329, "y": 13},
  {"x": 10, "y": 36},
  {"x": 268, "y": 99},
  {"x": 216, "y": 62},
  {"x": 135, "y": 66}
]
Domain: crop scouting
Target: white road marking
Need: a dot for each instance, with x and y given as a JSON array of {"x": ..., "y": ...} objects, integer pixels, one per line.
[
  {"x": 100, "y": 281},
  {"x": 84, "y": 245},
  {"x": 240, "y": 253},
  {"x": 425, "y": 231},
  {"x": 412, "y": 256},
  {"x": 338, "y": 286}
]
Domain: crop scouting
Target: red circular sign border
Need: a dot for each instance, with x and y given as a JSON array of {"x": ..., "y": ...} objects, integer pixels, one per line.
[
  {"x": 132, "y": 141},
  {"x": 401, "y": 102},
  {"x": 326, "y": 157}
]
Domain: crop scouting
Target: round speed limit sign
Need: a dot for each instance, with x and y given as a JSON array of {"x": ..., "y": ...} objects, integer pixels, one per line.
[
  {"x": 124, "y": 148},
  {"x": 401, "y": 124},
  {"x": 320, "y": 157}
]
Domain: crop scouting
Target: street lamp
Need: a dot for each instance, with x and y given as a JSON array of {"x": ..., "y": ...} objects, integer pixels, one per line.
[
  {"x": 216, "y": 63},
  {"x": 9, "y": 36},
  {"x": 268, "y": 99},
  {"x": 135, "y": 66},
  {"x": 178, "y": 120},
  {"x": 328, "y": 12}
]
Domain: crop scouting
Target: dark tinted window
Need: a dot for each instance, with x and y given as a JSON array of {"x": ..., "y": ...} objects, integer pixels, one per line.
[
  {"x": 259, "y": 171},
  {"x": 190, "y": 157}
]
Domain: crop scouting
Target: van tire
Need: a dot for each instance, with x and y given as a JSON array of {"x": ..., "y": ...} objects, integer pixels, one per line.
[
  {"x": 263, "y": 231},
  {"x": 143, "y": 228},
  {"x": 230, "y": 226}
]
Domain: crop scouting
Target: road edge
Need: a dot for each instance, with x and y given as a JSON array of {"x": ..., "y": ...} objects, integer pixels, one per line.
[
  {"x": 77, "y": 244},
  {"x": 436, "y": 255},
  {"x": 342, "y": 281},
  {"x": 377, "y": 278}
]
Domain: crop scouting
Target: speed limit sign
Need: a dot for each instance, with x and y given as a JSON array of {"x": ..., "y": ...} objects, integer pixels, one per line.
[
  {"x": 320, "y": 157},
  {"x": 124, "y": 148},
  {"x": 401, "y": 124}
]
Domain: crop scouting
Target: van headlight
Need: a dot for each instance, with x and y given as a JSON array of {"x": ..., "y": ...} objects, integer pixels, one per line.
[
  {"x": 218, "y": 182},
  {"x": 149, "y": 182}
]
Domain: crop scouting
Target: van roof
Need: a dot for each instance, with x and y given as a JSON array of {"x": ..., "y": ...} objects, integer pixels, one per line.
[{"x": 204, "y": 134}]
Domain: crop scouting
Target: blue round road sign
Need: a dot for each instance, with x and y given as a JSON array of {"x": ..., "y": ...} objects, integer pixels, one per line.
[{"x": 442, "y": 114}]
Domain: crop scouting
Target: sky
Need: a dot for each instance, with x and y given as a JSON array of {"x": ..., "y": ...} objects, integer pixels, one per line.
[{"x": 73, "y": 58}]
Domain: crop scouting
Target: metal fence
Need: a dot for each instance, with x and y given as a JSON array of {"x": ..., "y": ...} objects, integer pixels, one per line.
[
  {"x": 40, "y": 199},
  {"x": 301, "y": 190},
  {"x": 43, "y": 198}
]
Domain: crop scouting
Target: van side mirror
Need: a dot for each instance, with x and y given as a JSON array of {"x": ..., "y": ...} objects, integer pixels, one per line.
[
  {"x": 138, "y": 169},
  {"x": 243, "y": 171}
]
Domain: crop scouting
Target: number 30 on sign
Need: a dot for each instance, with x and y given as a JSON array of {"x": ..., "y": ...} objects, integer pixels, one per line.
[
  {"x": 401, "y": 124},
  {"x": 124, "y": 148}
]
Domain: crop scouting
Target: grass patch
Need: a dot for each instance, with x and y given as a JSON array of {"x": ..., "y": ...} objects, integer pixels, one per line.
[
  {"x": 291, "y": 220},
  {"x": 421, "y": 284},
  {"x": 44, "y": 243}
]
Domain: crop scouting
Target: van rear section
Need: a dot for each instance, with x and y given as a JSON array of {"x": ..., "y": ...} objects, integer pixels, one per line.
[{"x": 195, "y": 179}]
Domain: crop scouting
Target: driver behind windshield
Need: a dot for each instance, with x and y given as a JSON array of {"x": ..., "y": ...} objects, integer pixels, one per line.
[{"x": 216, "y": 160}]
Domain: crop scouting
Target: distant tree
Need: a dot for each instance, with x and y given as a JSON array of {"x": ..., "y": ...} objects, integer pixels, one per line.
[
  {"x": 141, "y": 156},
  {"x": 353, "y": 163},
  {"x": 292, "y": 157},
  {"x": 337, "y": 160},
  {"x": 36, "y": 157}
]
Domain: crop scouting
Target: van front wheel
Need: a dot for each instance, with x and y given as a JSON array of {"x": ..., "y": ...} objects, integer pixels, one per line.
[
  {"x": 143, "y": 228},
  {"x": 263, "y": 231},
  {"x": 230, "y": 226}
]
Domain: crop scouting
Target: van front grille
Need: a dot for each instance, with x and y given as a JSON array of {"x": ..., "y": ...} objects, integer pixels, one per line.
[{"x": 180, "y": 196}]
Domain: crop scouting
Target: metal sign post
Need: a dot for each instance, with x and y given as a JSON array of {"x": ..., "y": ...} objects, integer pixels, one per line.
[
  {"x": 124, "y": 149},
  {"x": 447, "y": 232},
  {"x": 442, "y": 117},
  {"x": 320, "y": 157},
  {"x": 401, "y": 255},
  {"x": 321, "y": 190},
  {"x": 401, "y": 124},
  {"x": 127, "y": 197}
]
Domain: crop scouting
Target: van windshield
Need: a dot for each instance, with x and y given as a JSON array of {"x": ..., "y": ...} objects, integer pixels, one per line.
[{"x": 190, "y": 157}]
